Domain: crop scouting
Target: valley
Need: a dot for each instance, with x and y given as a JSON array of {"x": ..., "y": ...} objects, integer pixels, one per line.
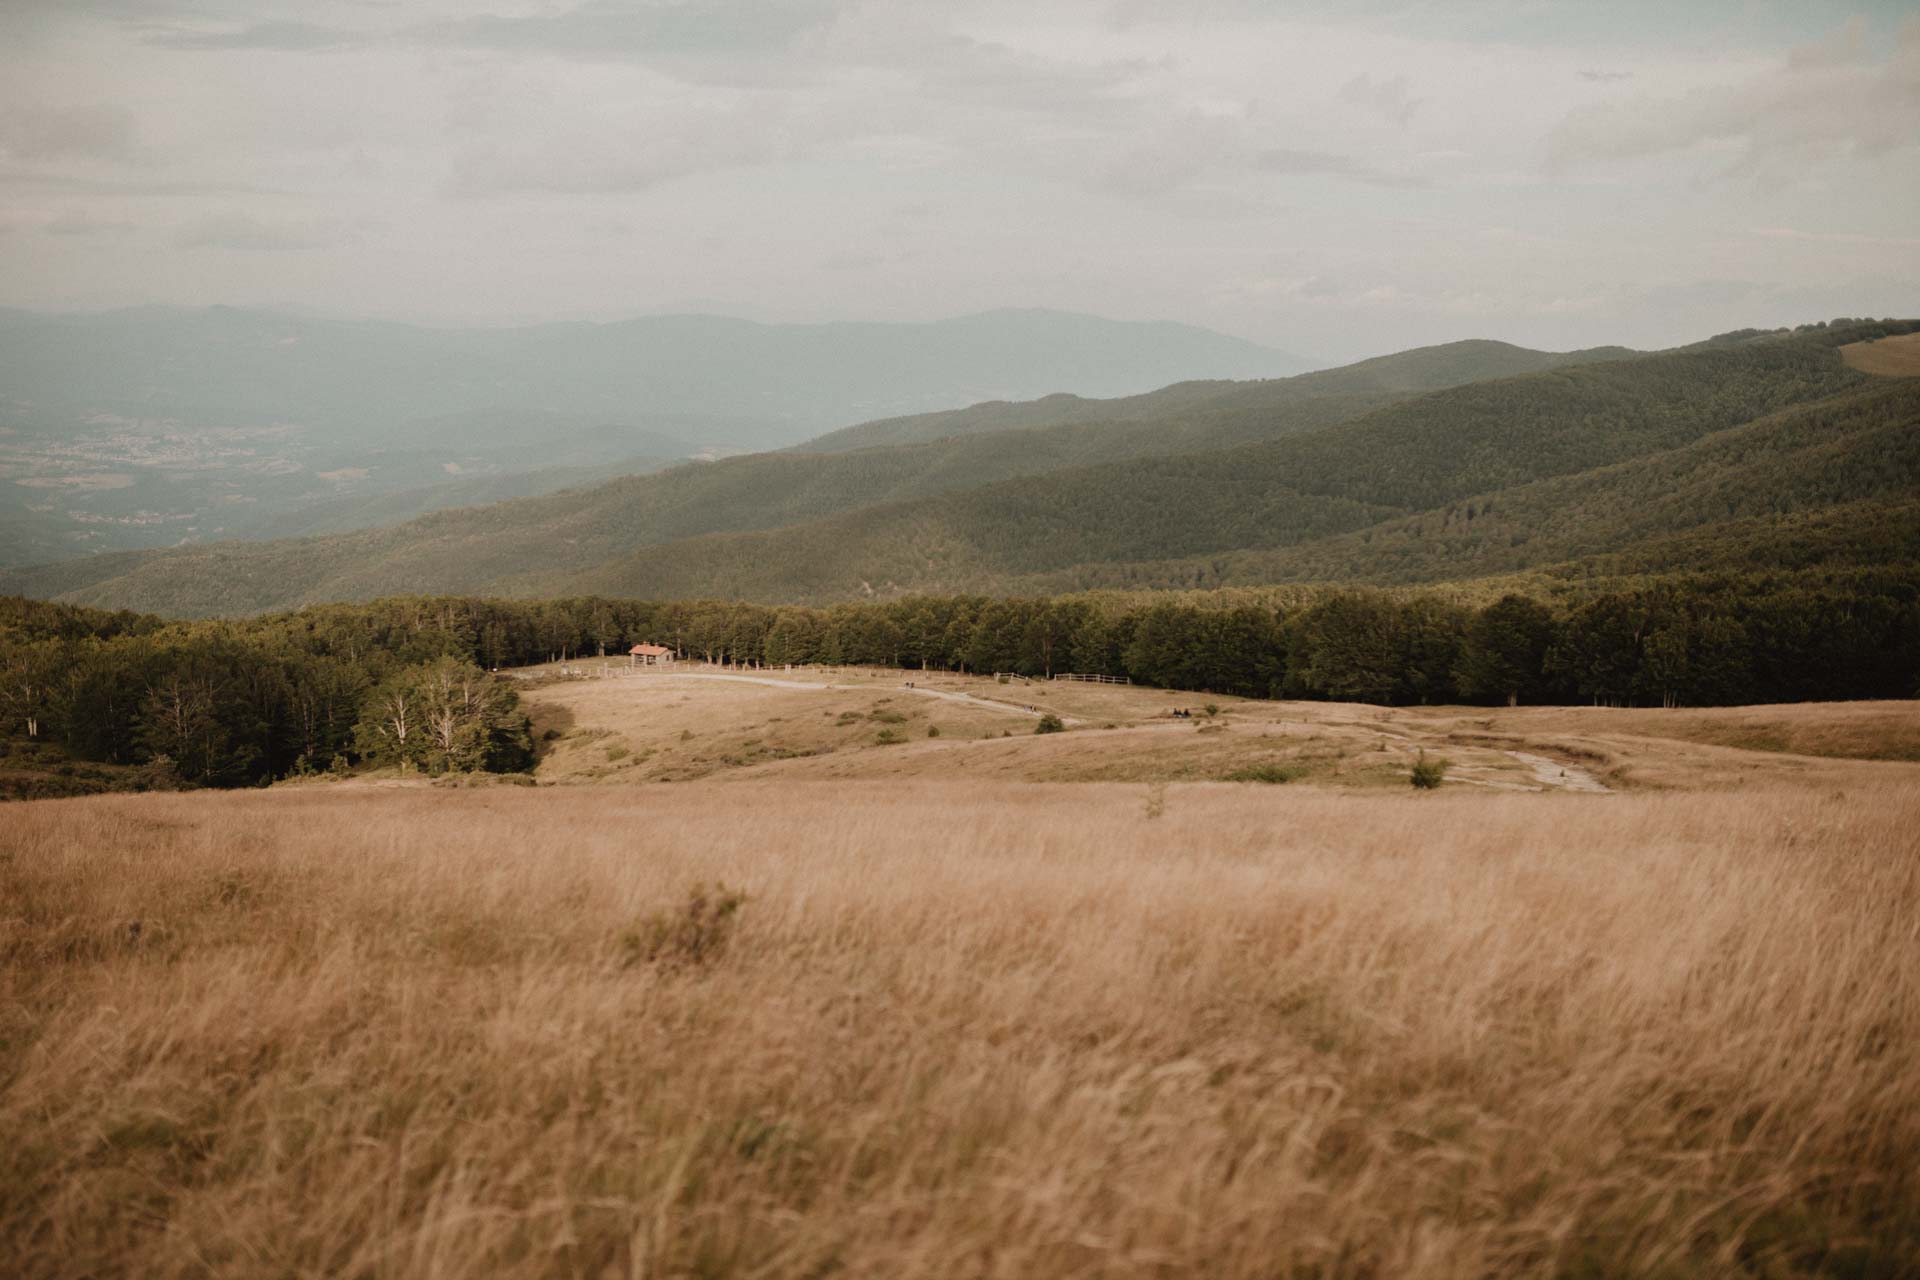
[{"x": 1470, "y": 460}]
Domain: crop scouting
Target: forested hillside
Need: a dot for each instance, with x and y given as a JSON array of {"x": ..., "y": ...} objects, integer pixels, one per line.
[
  {"x": 1368, "y": 382},
  {"x": 1425, "y": 453},
  {"x": 1836, "y": 481},
  {"x": 1591, "y": 458}
]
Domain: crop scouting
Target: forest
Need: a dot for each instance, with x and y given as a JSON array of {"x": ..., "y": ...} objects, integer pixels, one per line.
[{"x": 409, "y": 681}]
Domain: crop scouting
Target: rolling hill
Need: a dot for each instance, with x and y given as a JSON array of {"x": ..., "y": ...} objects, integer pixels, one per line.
[
  {"x": 1585, "y": 457},
  {"x": 572, "y": 531},
  {"x": 1366, "y": 382},
  {"x": 158, "y": 427}
]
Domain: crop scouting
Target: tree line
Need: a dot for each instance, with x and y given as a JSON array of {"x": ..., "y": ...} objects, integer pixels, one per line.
[{"x": 408, "y": 681}]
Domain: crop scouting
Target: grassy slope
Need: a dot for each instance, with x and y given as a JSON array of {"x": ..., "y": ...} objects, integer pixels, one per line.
[{"x": 1895, "y": 357}]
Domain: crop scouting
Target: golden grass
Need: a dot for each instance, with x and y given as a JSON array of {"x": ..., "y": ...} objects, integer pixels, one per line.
[
  {"x": 665, "y": 728},
  {"x": 1895, "y": 357},
  {"x": 660, "y": 727},
  {"x": 650, "y": 728},
  {"x": 987, "y": 1029},
  {"x": 1841, "y": 730}
]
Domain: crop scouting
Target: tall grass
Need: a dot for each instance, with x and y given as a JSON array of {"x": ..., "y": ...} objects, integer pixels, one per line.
[{"x": 1011, "y": 1031}]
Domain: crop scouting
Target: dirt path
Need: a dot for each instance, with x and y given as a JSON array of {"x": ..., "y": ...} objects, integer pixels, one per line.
[
  {"x": 1562, "y": 777},
  {"x": 990, "y": 703}
]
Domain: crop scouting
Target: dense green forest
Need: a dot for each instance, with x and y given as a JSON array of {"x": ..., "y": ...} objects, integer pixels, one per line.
[
  {"x": 1714, "y": 448},
  {"x": 1367, "y": 383},
  {"x": 407, "y": 681}
]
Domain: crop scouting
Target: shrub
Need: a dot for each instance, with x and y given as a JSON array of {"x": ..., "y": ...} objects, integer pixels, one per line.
[
  {"x": 933, "y": 731},
  {"x": 1428, "y": 774},
  {"x": 1271, "y": 772},
  {"x": 693, "y": 934},
  {"x": 617, "y": 753},
  {"x": 158, "y": 774},
  {"x": 887, "y": 717},
  {"x": 1050, "y": 723},
  {"x": 1212, "y": 709},
  {"x": 887, "y": 737}
]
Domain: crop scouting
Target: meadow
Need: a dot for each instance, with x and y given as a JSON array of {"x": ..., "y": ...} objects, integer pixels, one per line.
[{"x": 948, "y": 1020}]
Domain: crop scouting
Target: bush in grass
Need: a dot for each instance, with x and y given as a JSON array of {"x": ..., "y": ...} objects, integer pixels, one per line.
[
  {"x": 692, "y": 934},
  {"x": 1050, "y": 723},
  {"x": 1272, "y": 773},
  {"x": 1429, "y": 773}
]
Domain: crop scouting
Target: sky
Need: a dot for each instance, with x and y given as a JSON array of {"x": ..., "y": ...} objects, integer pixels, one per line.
[{"x": 1335, "y": 179}]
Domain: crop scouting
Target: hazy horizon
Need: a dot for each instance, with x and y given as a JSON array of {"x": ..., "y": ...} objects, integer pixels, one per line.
[{"x": 1337, "y": 180}]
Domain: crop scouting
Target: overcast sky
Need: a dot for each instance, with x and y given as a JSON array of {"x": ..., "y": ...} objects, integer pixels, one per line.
[{"x": 1338, "y": 179}]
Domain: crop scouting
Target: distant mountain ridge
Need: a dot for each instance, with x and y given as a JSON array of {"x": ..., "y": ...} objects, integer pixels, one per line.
[
  {"x": 700, "y": 377},
  {"x": 1589, "y": 454},
  {"x": 157, "y": 427},
  {"x": 1421, "y": 369}
]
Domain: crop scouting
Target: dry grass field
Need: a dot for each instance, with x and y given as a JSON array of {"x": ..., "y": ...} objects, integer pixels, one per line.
[
  {"x": 848, "y": 724},
  {"x": 1896, "y": 357},
  {"x": 965, "y": 1024}
]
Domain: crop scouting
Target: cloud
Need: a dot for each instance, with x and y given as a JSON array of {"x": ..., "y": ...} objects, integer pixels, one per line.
[
  {"x": 42, "y": 179},
  {"x": 283, "y": 37},
  {"x": 78, "y": 222},
  {"x": 1387, "y": 98},
  {"x": 1199, "y": 146},
  {"x": 1836, "y": 237},
  {"x": 618, "y": 29},
  {"x": 245, "y": 232},
  {"x": 622, "y": 151},
  {"x": 98, "y": 132},
  {"x": 1826, "y": 100},
  {"x": 1290, "y": 163}
]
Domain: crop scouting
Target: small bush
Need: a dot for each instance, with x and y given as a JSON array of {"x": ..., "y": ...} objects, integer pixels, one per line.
[
  {"x": 617, "y": 753},
  {"x": 1212, "y": 709},
  {"x": 693, "y": 934},
  {"x": 886, "y": 737},
  {"x": 933, "y": 731},
  {"x": 157, "y": 774},
  {"x": 1050, "y": 723},
  {"x": 1428, "y": 774},
  {"x": 1271, "y": 773},
  {"x": 887, "y": 717}
]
